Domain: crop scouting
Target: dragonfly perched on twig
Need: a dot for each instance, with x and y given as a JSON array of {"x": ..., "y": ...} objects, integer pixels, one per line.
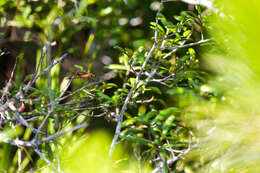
[{"x": 84, "y": 75}]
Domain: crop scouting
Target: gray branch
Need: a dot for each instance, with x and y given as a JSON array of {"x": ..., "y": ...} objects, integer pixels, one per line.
[{"x": 185, "y": 45}]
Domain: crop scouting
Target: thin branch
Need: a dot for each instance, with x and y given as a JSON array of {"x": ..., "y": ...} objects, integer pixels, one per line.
[
  {"x": 16, "y": 142},
  {"x": 157, "y": 21},
  {"x": 45, "y": 70},
  {"x": 37, "y": 67},
  {"x": 185, "y": 45},
  {"x": 120, "y": 116},
  {"x": 36, "y": 143},
  {"x": 27, "y": 120},
  {"x": 44, "y": 121},
  {"x": 80, "y": 89},
  {"x": 20, "y": 118},
  {"x": 58, "y": 134},
  {"x": 176, "y": 158},
  {"x": 45, "y": 159},
  {"x": 75, "y": 5},
  {"x": 19, "y": 160}
]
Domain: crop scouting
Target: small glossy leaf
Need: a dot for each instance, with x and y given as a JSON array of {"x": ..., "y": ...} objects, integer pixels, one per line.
[
  {"x": 128, "y": 122},
  {"x": 192, "y": 52},
  {"x": 116, "y": 67},
  {"x": 64, "y": 83},
  {"x": 164, "y": 114},
  {"x": 156, "y": 90},
  {"x": 137, "y": 139},
  {"x": 150, "y": 115},
  {"x": 28, "y": 77},
  {"x": 167, "y": 125},
  {"x": 175, "y": 91},
  {"x": 180, "y": 131},
  {"x": 142, "y": 110},
  {"x": 186, "y": 33},
  {"x": 197, "y": 7},
  {"x": 81, "y": 68},
  {"x": 48, "y": 149}
]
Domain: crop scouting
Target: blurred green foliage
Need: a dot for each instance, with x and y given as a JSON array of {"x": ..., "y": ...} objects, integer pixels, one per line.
[
  {"x": 231, "y": 125},
  {"x": 92, "y": 151}
]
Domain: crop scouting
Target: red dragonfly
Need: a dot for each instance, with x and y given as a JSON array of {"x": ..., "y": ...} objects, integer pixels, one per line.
[{"x": 84, "y": 75}]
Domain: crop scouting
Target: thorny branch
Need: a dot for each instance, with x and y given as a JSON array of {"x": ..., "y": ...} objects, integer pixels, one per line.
[
  {"x": 185, "y": 45},
  {"x": 34, "y": 143},
  {"x": 150, "y": 76},
  {"x": 120, "y": 116},
  {"x": 12, "y": 110}
]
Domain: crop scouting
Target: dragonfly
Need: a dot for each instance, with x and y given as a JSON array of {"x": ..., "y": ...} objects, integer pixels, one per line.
[{"x": 84, "y": 75}]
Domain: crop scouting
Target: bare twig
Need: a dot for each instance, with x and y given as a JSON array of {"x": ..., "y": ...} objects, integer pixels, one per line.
[
  {"x": 16, "y": 142},
  {"x": 185, "y": 45},
  {"x": 80, "y": 89},
  {"x": 75, "y": 4},
  {"x": 37, "y": 67},
  {"x": 58, "y": 134},
  {"x": 20, "y": 119},
  {"x": 157, "y": 21},
  {"x": 36, "y": 143},
  {"x": 19, "y": 160},
  {"x": 205, "y": 3},
  {"x": 11, "y": 106},
  {"x": 121, "y": 114},
  {"x": 45, "y": 71},
  {"x": 45, "y": 159}
]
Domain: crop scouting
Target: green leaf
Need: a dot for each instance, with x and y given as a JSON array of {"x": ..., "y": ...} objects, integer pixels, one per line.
[
  {"x": 186, "y": 33},
  {"x": 197, "y": 7},
  {"x": 141, "y": 110},
  {"x": 108, "y": 86},
  {"x": 167, "y": 125},
  {"x": 116, "y": 67},
  {"x": 64, "y": 83},
  {"x": 128, "y": 122},
  {"x": 153, "y": 26},
  {"x": 175, "y": 91},
  {"x": 123, "y": 90},
  {"x": 103, "y": 96},
  {"x": 137, "y": 139},
  {"x": 192, "y": 52},
  {"x": 48, "y": 149},
  {"x": 82, "y": 8},
  {"x": 150, "y": 115},
  {"x": 164, "y": 114},
  {"x": 132, "y": 81},
  {"x": 178, "y": 18},
  {"x": 81, "y": 68},
  {"x": 119, "y": 48},
  {"x": 28, "y": 77},
  {"x": 180, "y": 131},
  {"x": 156, "y": 90},
  {"x": 133, "y": 131}
]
